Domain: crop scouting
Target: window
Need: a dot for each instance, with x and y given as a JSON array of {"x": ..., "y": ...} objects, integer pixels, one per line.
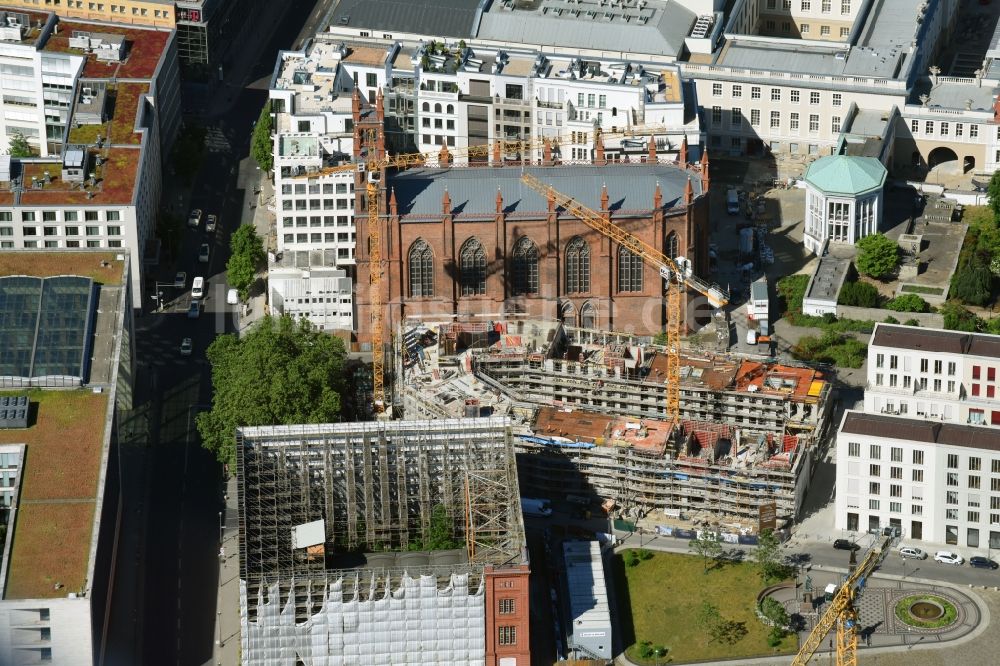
[
  {"x": 794, "y": 95},
  {"x": 835, "y": 124},
  {"x": 716, "y": 115},
  {"x": 473, "y": 268},
  {"x": 952, "y": 461},
  {"x": 929, "y": 127},
  {"x": 874, "y": 488},
  {"x": 874, "y": 470},
  {"x": 775, "y": 119},
  {"x": 90, "y": 216},
  {"x": 895, "y": 472},
  {"x": 736, "y": 117},
  {"x": 577, "y": 266},
  {"x": 974, "y": 482},
  {"x": 951, "y": 497},
  {"x": 629, "y": 270},
  {"x": 421, "y": 269},
  {"x": 716, "y": 92},
  {"x": 28, "y": 216},
  {"x": 973, "y": 131},
  {"x": 507, "y": 635},
  {"x": 874, "y": 451},
  {"x": 918, "y": 476},
  {"x": 972, "y": 537},
  {"x": 755, "y": 92},
  {"x": 838, "y": 99},
  {"x": 824, "y": 30},
  {"x": 755, "y": 117},
  {"x": 873, "y": 505},
  {"x": 804, "y": 28},
  {"x": 813, "y": 122},
  {"x": 525, "y": 267},
  {"x": 896, "y": 454},
  {"x": 673, "y": 245},
  {"x": 995, "y": 466},
  {"x": 114, "y": 231},
  {"x": 975, "y": 464},
  {"x": 879, "y": 360},
  {"x": 845, "y": 6},
  {"x": 879, "y": 379},
  {"x": 951, "y": 514},
  {"x": 937, "y": 386},
  {"x": 895, "y": 507},
  {"x": 737, "y": 90},
  {"x": 952, "y": 478},
  {"x": 602, "y": 101},
  {"x": 825, "y": 6},
  {"x": 806, "y": 5},
  {"x": 895, "y": 490},
  {"x": 853, "y": 449},
  {"x": 793, "y": 122},
  {"x": 371, "y": 80},
  {"x": 917, "y": 510},
  {"x": 814, "y": 98}
]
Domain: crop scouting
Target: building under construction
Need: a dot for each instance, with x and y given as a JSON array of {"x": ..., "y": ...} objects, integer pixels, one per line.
[
  {"x": 396, "y": 542},
  {"x": 590, "y": 415}
]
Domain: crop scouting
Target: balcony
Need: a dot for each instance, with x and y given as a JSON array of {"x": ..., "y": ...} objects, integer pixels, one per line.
[{"x": 549, "y": 105}]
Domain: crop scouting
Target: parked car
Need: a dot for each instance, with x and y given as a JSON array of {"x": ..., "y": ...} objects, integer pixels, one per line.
[
  {"x": 181, "y": 279},
  {"x": 982, "y": 563},
  {"x": 844, "y": 544},
  {"x": 186, "y": 347},
  {"x": 203, "y": 253},
  {"x": 948, "y": 557},
  {"x": 233, "y": 296},
  {"x": 210, "y": 223},
  {"x": 198, "y": 287},
  {"x": 194, "y": 310},
  {"x": 194, "y": 218},
  {"x": 910, "y": 553}
]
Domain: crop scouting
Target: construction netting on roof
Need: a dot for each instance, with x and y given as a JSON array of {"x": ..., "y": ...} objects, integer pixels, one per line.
[
  {"x": 412, "y": 621},
  {"x": 45, "y": 326}
]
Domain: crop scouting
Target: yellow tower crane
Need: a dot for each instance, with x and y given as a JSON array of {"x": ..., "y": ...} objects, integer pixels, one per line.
[
  {"x": 371, "y": 169},
  {"x": 842, "y": 613},
  {"x": 676, "y": 274}
]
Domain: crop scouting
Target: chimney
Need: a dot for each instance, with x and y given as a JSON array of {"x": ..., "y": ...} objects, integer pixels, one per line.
[
  {"x": 393, "y": 207},
  {"x": 658, "y": 196},
  {"x": 604, "y": 197},
  {"x": 499, "y": 202},
  {"x": 652, "y": 149},
  {"x": 599, "y": 158},
  {"x": 547, "y": 154},
  {"x": 683, "y": 157},
  {"x": 446, "y": 203}
]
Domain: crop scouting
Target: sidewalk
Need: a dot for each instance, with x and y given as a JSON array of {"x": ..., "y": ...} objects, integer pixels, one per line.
[
  {"x": 257, "y": 210},
  {"x": 227, "y": 626}
]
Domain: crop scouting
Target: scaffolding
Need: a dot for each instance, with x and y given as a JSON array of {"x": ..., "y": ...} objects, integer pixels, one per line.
[{"x": 374, "y": 486}]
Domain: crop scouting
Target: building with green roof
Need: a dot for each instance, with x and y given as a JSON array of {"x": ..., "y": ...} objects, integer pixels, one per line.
[{"x": 843, "y": 200}]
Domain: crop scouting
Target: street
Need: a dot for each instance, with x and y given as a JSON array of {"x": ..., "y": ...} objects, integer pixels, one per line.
[{"x": 164, "y": 606}]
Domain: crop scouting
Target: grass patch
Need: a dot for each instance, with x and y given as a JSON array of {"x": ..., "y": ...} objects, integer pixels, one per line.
[
  {"x": 63, "y": 452},
  {"x": 833, "y": 348},
  {"x": 920, "y": 289},
  {"x": 903, "y": 611},
  {"x": 47, "y": 264},
  {"x": 663, "y": 596}
]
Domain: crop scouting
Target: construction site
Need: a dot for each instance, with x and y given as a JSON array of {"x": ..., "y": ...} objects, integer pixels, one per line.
[
  {"x": 590, "y": 416},
  {"x": 381, "y": 543}
]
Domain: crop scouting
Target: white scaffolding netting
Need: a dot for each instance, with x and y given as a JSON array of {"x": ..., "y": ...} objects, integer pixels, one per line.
[{"x": 413, "y": 621}]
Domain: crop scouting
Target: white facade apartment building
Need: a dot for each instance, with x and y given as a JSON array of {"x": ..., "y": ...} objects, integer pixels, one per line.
[
  {"x": 36, "y": 86},
  {"x": 788, "y": 76},
  {"x": 934, "y": 374},
  {"x": 935, "y": 482}
]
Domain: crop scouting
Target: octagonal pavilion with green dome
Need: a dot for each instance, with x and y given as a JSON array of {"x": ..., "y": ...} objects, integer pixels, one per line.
[{"x": 843, "y": 200}]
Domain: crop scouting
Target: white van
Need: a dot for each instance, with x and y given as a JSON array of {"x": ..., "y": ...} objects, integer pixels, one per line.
[
  {"x": 733, "y": 202},
  {"x": 751, "y": 336},
  {"x": 198, "y": 288}
]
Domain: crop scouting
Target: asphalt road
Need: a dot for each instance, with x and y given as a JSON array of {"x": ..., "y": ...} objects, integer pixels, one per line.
[{"x": 164, "y": 606}]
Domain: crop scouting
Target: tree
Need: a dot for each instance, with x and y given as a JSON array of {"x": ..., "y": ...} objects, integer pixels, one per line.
[
  {"x": 283, "y": 371},
  {"x": 18, "y": 145},
  {"x": 707, "y": 545},
  {"x": 774, "y": 611},
  {"x": 440, "y": 534},
  {"x": 247, "y": 253},
  {"x": 973, "y": 283},
  {"x": 878, "y": 256},
  {"x": 261, "y": 146},
  {"x": 957, "y": 318},
  {"x": 908, "y": 303},
  {"x": 860, "y": 294},
  {"x": 993, "y": 194},
  {"x": 767, "y": 556},
  {"x": 721, "y": 629}
]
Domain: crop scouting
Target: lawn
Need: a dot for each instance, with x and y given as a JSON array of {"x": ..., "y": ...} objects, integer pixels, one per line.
[{"x": 665, "y": 595}]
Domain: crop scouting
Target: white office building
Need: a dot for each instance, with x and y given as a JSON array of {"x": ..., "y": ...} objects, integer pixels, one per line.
[
  {"x": 307, "y": 284},
  {"x": 934, "y": 482},
  {"x": 924, "y": 373}
]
